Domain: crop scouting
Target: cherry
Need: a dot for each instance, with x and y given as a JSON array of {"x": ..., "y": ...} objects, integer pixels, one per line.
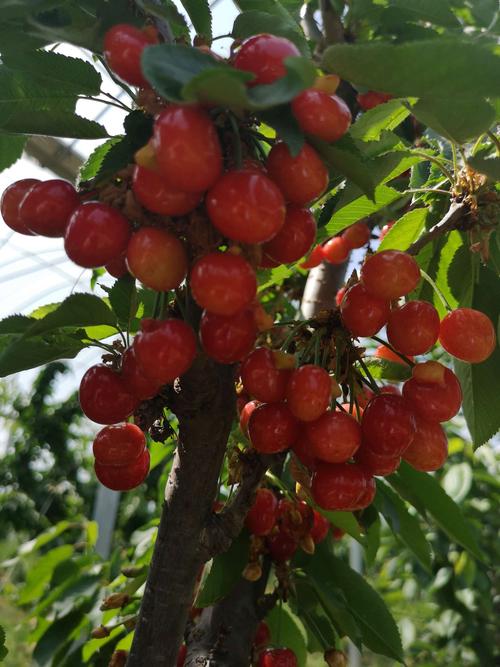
[
  {"x": 96, "y": 234},
  {"x": 10, "y": 202},
  {"x": 165, "y": 349},
  {"x": 302, "y": 178},
  {"x": 336, "y": 250},
  {"x": 223, "y": 283},
  {"x": 386, "y": 228},
  {"x": 320, "y": 528},
  {"x": 390, "y": 274},
  {"x": 282, "y": 546},
  {"x": 376, "y": 464},
  {"x": 155, "y": 195},
  {"x": 123, "y": 46},
  {"x": 294, "y": 239},
  {"x": 309, "y": 392},
  {"x": 181, "y": 655},
  {"x": 104, "y": 398},
  {"x": 246, "y": 206},
  {"x": 388, "y": 425},
  {"x": 384, "y": 352},
  {"x": 262, "y": 379},
  {"x": 468, "y": 334},
  {"x": 338, "y": 486},
  {"x": 324, "y": 116},
  {"x": 262, "y": 635},
  {"x": 429, "y": 449},
  {"x": 272, "y": 428},
  {"x": 367, "y": 496},
  {"x": 302, "y": 450},
  {"x": 136, "y": 381},
  {"x": 119, "y": 444},
  {"x": 315, "y": 258},
  {"x": 435, "y": 401},
  {"x": 261, "y": 518},
  {"x": 157, "y": 258},
  {"x": 334, "y": 437},
  {"x": 264, "y": 55},
  {"x": 245, "y": 413},
  {"x": 357, "y": 235},
  {"x": 278, "y": 657},
  {"x": 355, "y": 411},
  {"x": 47, "y": 206},
  {"x": 228, "y": 339},
  {"x": 340, "y": 295},
  {"x": 413, "y": 328},
  {"x": 188, "y": 152},
  {"x": 372, "y": 99},
  {"x": 362, "y": 313},
  {"x": 125, "y": 477},
  {"x": 117, "y": 267}
]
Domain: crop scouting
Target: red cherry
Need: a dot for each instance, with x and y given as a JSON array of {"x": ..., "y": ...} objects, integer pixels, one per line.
[
  {"x": 119, "y": 444},
  {"x": 302, "y": 450},
  {"x": 223, "y": 283},
  {"x": 429, "y": 449},
  {"x": 123, "y": 46},
  {"x": 372, "y": 99},
  {"x": 117, "y": 267},
  {"x": 278, "y": 657},
  {"x": 272, "y": 428},
  {"x": 357, "y": 235},
  {"x": 388, "y": 425},
  {"x": 413, "y": 328},
  {"x": 322, "y": 115},
  {"x": 96, "y": 234},
  {"x": 367, "y": 496},
  {"x": 433, "y": 400},
  {"x": 376, "y": 464},
  {"x": 47, "y": 206},
  {"x": 334, "y": 437},
  {"x": 126, "y": 477},
  {"x": 155, "y": 195},
  {"x": 468, "y": 334},
  {"x": 309, "y": 392},
  {"x": 384, "y": 352},
  {"x": 261, "y": 379},
  {"x": 104, "y": 397},
  {"x": 228, "y": 339},
  {"x": 302, "y": 178},
  {"x": 266, "y": 262},
  {"x": 10, "y": 202},
  {"x": 181, "y": 655},
  {"x": 340, "y": 295},
  {"x": 245, "y": 413},
  {"x": 294, "y": 239},
  {"x": 390, "y": 274},
  {"x": 246, "y": 206},
  {"x": 264, "y": 55},
  {"x": 261, "y": 518},
  {"x": 282, "y": 546},
  {"x": 390, "y": 389},
  {"x": 362, "y": 313},
  {"x": 336, "y": 250},
  {"x": 320, "y": 528},
  {"x": 157, "y": 258},
  {"x": 136, "y": 381},
  {"x": 262, "y": 635},
  {"x": 337, "y": 533},
  {"x": 188, "y": 152},
  {"x": 165, "y": 349},
  {"x": 338, "y": 486},
  {"x": 315, "y": 258}
]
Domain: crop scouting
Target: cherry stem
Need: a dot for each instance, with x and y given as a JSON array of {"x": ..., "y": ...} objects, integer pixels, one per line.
[
  {"x": 437, "y": 162},
  {"x": 369, "y": 378},
  {"x": 393, "y": 349},
  {"x": 238, "y": 154},
  {"x": 436, "y": 289},
  {"x": 455, "y": 214},
  {"x": 495, "y": 140}
]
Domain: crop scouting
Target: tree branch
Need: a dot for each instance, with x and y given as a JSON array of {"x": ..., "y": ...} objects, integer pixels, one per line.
[
  {"x": 332, "y": 24},
  {"x": 456, "y": 214}
]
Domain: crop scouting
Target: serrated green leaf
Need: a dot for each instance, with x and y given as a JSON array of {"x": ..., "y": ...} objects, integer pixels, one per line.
[
  {"x": 346, "y": 521},
  {"x": 433, "y": 11},
  {"x": 168, "y": 12},
  {"x": 405, "y": 231},
  {"x": 352, "y": 206},
  {"x": 200, "y": 15},
  {"x": 345, "y": 158},
  {"x": 11, "y": 149},
  {"x": 52, "y": 122},
  {"x": 307, "y": 604},
  {"x": 489, "y": 166},
  {"x": 123, "y": 299},
  {"x": 383, "y": 369},
  {"x": 18, "y": 353},
  {"x": 370, "y": 125},
  {"x": 56, "y": 635},
  {"x": 15, "y": 324},
  {"x": 282, "y": 120},
  {"x": 94, "y": 164},
  {"x": 287, "y": 630}
]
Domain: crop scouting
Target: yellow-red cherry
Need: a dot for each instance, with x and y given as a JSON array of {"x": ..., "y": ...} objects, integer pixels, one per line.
[
  {"x": 104, "y": 397},
  {"x": 261, "y": 517},
  {"x": 429, "y": 448},
  {"x": 261, "y": 379},
  {"x": 338, "y": 486},
  {"x": 47, "y": 207},
  {"x": 324, "y": 116},
  {"x": 435, "y": 401},
  {"x": 413, "y": 328},
  {"x": 468, "y": 334},
  {"x": 309, "y": 392},
  {"x": 137, "y": 382},
  {"x": 154, "y": 194},
  {"x": 302, "y": 178},
  {"x": 228, "y": 338},
  {"x": 272, "y": 428},
  {"x": 294, "y": 239},
  {"x": 157, "y": 258},
  {"x": 123, "y": 47},
  {"x": 389, "y": 274},
  {"x": 11, "y": 200},
  {"x": 362, "y": 313},
  {"x": 118, "y": 444},
  {"x": 264, "y": 55},
  {"x": 336, "y": 250},
  {"x": 357, "y": 235},
  {"x": 334, "y": 437}
]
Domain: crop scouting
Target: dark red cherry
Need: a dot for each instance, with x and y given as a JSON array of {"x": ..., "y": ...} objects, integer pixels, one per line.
[
  {"x": 47, "y": 207},
  {"x": 124, "y": 477},
  {"x": 389, "y": 274},
  {"x": 302, "y": 178},
  {"x": 334, "y": 437},
  {"x": 104, "y": 398},
  {"x": 272, "y": 428},
  {"x": 155, "y": 195},
  {"x": 388, "y": 425},
  {"x": 11, "y": 201},
  {"x": 435, "y": 401},
  {"x": 261, "y": 379},
  {"x": 264, "y": 55},
  {"x": 228, "y": 339},
  {"x": 137, "y": 382},
  {"x": 123, "y": 47},
  {"x": 261, "y": 518},
  {"x": 119, "y": 444},
  {"x": 362, "y": 313},
  {"x": 309, "y": 392},
  {"x": 320, "y": 528},
  {"x": 338, "y": 486},
  {"x": 294, "y": 239},
  {"x": 413, "y": 328},
  {"x": 278, "y": 657},
  {"x": 429, "y": 448}
]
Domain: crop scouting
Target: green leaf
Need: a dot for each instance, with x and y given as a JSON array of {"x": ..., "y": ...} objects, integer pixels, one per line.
[
  {"x": 56, "y": 635},
  {"x": 383, "y": 369},
  {"x": 346, "y": 521},
  {"x": 15, "y": 324},
  {"x": 3, "y": 648},
  {"x": 288, "y": 630},
  {"x": 11, "y": 149},
  {"x": 123, "y": 299},
  {"x": 300, "y": 74},
  {"x": 200, "y": 15},
  {"x": 370, "y": 125},
  {"x": 489, "y": 166},
  {"x": 53, "y": 123},
  {"x": 221, "y": 86},
  {"x": 405, "y": 231},
  {"x": 95, "y": 163},
  {"x": 168, "y": 12},
  {"x": 433, "y": 11},
  {"x": 457, "y": 481},
  {"x": 468, "y": 117},
  {"x": 429, "y": 494},
  {"x": 308, "y": 606},
  {"x": 352, "y": 207},
  {"x": 39, "y": 576},
  {"x": 18, "y": 353},
  {"x": 44, "y": 538},
  {"x": 282, "y": 120}
]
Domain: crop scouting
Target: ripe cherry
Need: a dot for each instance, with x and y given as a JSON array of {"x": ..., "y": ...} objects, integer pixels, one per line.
[
  {"x": 125, "y": 477},
  {"x": 294, "y": 239},
  {"x": 264, "y": 55},
  {"x": 309, "y": 392},
  {"x": 429, "y": 449},
  {"x": 262, "y": 636},
  {"x": 188, "y": 152},
  {"x": 334, "y": 437},
  {"x": 165, "y": 349},
  {"x": 157, "y": 258},
  {"x": 340, "y": 295},
  {"x": 47, "y": 206},
  {"x": 468, "y": 334},
  {"x": 104, "y": 398},
  {"x": 119, "y": 444},
  {"x": 261, "y": 518},
  {"x": 384, "y": 352},
  {"x": 302, "y": 178},
  {"x": 228, "y": 339},
  {"x": 117, "y": 267},
  {"x": 338, "y": 486},
  {"x": 223, "y": 283},
  {"x": 372, "y": 99},
  {"x": 261, "y": 379},
  {"x": 324, "y": 116},
  {"x": 376, "y": 464},
  {"x": 390, "y": 274},
  {"x": 388, "y": 425},
  {"x": 320, "y": 528},
  {"x": 96, "y": 234},
  {"x": 246, "y": 206},
  {"x": 282, "y": 546},
  {"x": 367, "y": 496},
  {"x": 315, "y": 258},
  {"x": 435, "y": 401},
  {"x": 413, "y": 328},
  {"x": 10, "y": 202},
  {"x": 123, "y": 46},
  {"x": 245, "y": 413},
  {"x": 136, "y": 381},
  {"x": 385, "y": 229},
  {"x": 181, "y": 655},
  {"x": 357, "y": 235},
  {"x": 336, "y": 250},
  {"x": 278, "y": 657},
  {"x": 302, "y": 450},
  {"x": 272, "y": 428},
  {"x": 362, "y": 313},
  {"x": 155, "y": 195}
]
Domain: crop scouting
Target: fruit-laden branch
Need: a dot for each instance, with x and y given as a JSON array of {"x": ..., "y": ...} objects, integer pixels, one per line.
[{"x": 452, "y": 220}]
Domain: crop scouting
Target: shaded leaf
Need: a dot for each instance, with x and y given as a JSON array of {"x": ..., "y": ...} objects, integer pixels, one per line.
[
  {"x": 200, "y": 15},
  {"x": 287, "y": 630},
  {"x": 345, "y": 158},
  {"x": 11, "y": 149},
  {"x": 370, "y": 125}
]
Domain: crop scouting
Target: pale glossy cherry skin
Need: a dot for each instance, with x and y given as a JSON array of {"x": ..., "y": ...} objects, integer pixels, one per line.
[
  {"x": 136, "y": 380},
  {"x": 228, "y": 339},
  {"x": 246, "y": 206},
  {"x": 11, "y": 200},
  {"x": 47, "y": 207},
  {"x": 263, "y": 55},
  {"x": 309, "y": 392},
  {"x": 334, "y": 437},
  {"x": 187, "y": 148},
  {"x": 104, "y": 397},
  {"x": 433, "y": 400},
  {"x": 119, "y": 444},
  {"x": 272, "y": 428},
  {"x": 429, "y": 449},
  {"x": 123, "y": 46},
  {"x": 261, "y": 517},
  {"x": 157, "y": 258},
  {"x": 301, "y": 179},
  {"x": 338, "y": 486},
  {"x": 468, "y": 334},
  {"x": 388, "y": 425},
  {"x": 261, "y": 379},
  {"x": 389, "y": 274},
  {"x": 124, "y": 477},
  {"x": 413, "y": 328},
  {"x": 336, "y": 250},
  {"x": 324, "y": 116},
  {"x": 294, "y": 239},
  {"x": 362, "y": 313},
  {"x": 155, "y": 195}
]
